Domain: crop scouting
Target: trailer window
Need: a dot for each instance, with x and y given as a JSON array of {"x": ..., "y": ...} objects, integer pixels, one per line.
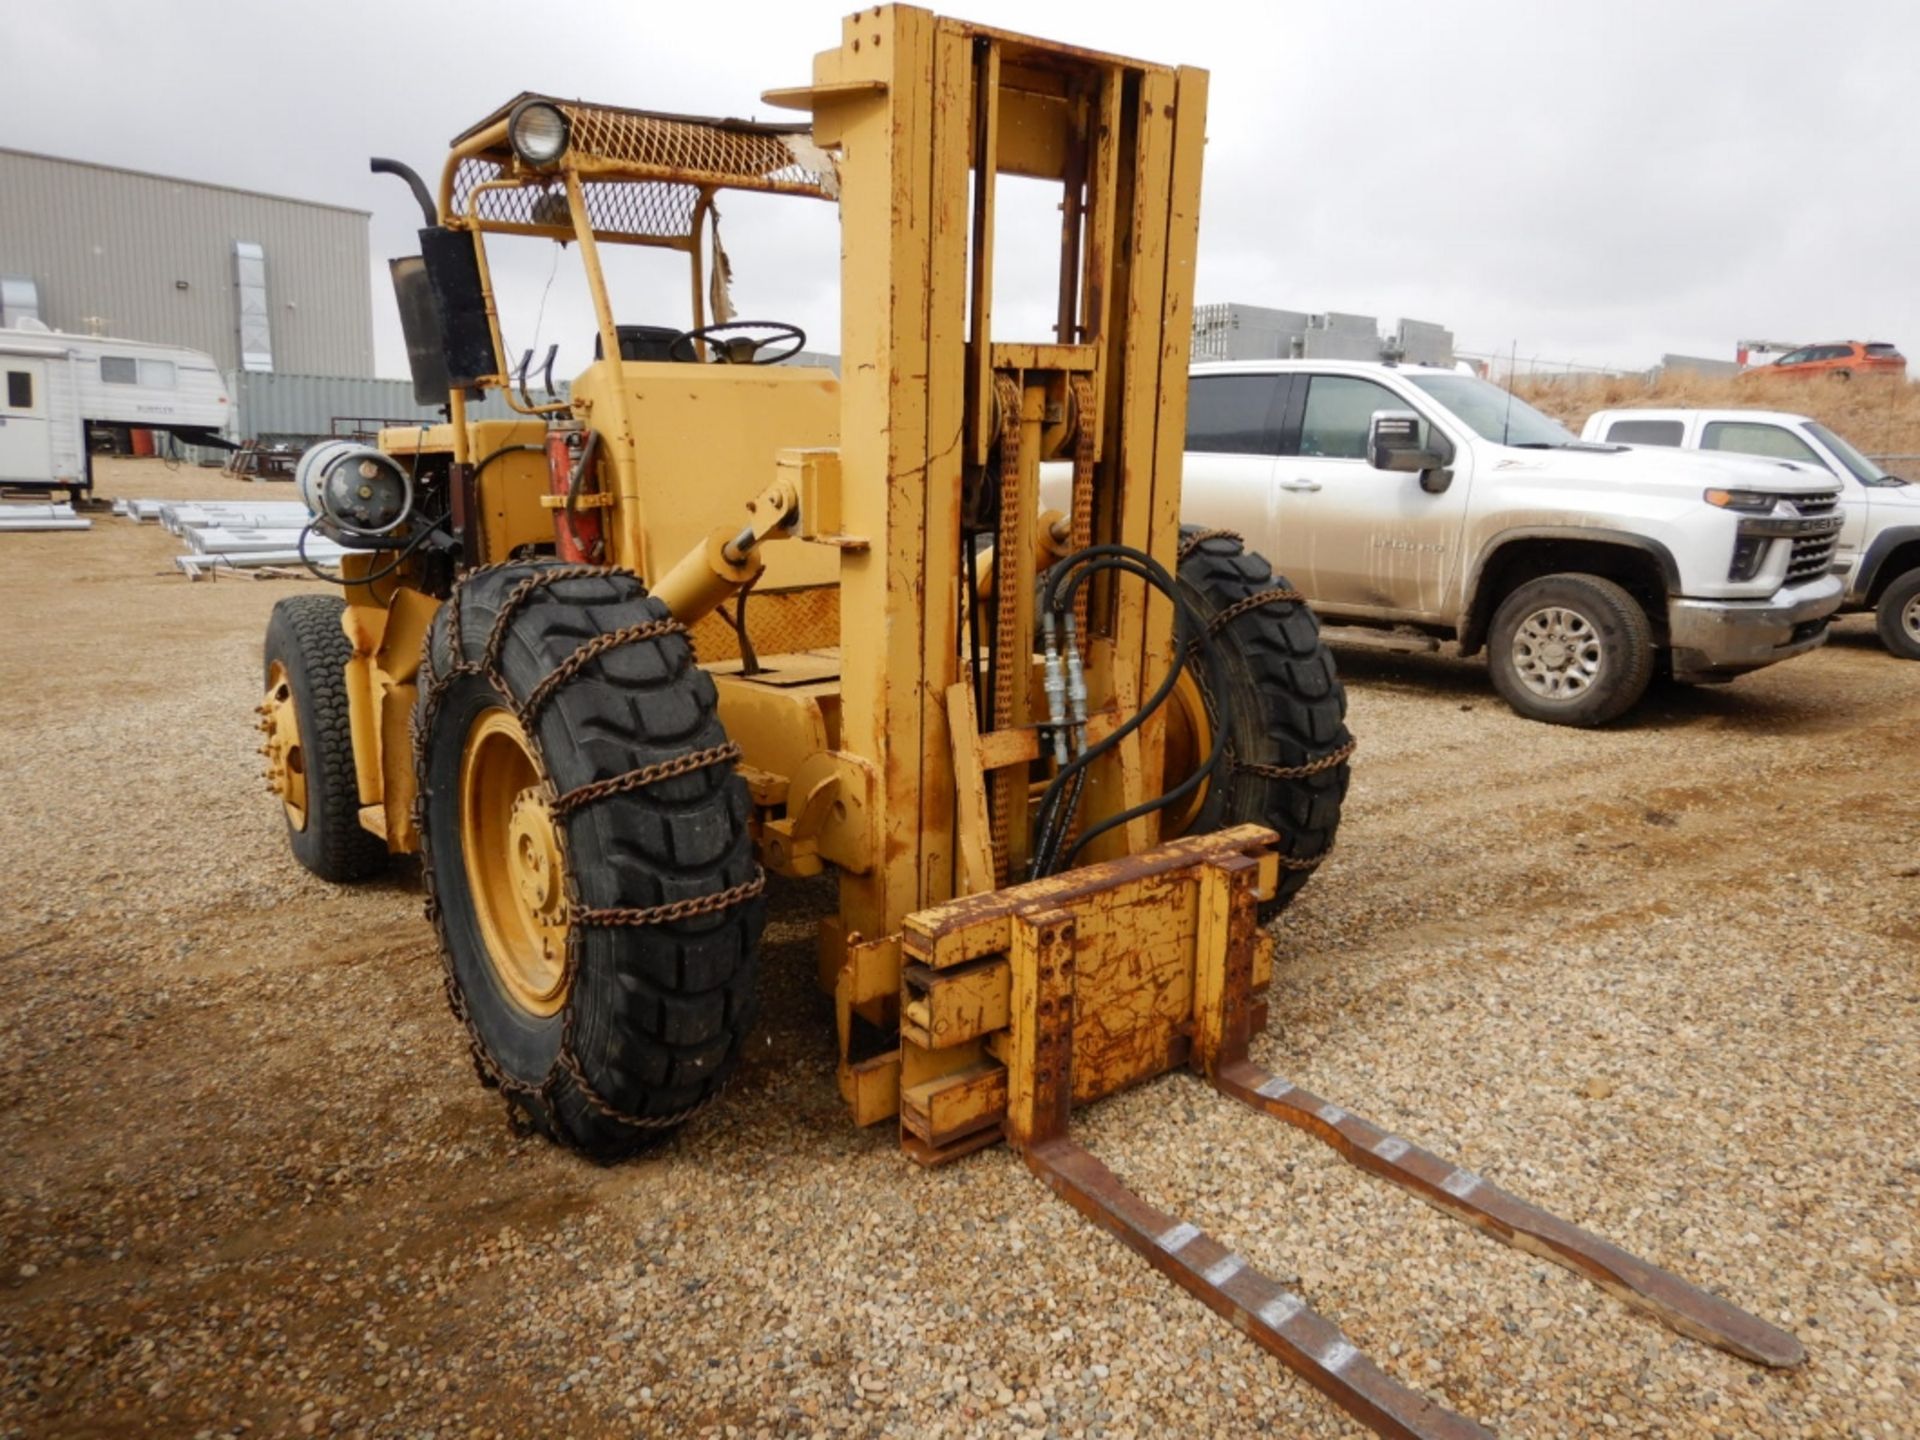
[
  {"x": 157, "y": 373},
  {"x": 119, "y": 370},
  {"x": 19, "y": 390}
]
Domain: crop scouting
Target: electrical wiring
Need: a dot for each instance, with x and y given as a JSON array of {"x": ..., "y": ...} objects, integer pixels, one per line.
[{"x": 300, "y": 546}]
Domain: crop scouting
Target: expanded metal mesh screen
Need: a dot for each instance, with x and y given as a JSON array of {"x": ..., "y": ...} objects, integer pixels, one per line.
[
  {"x": 667, "y": 161},
  {"x": 710, "y": 148},
  {"x": 649, "y": 210}
]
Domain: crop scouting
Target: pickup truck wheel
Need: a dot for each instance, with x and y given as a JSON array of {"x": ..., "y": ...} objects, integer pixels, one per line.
[
  {"x": 1274, "y": 688},
  {"x": 1897, "y": 617},
  {"x": 1570, "y": 650},
  {"x": 585, "y": 845}
]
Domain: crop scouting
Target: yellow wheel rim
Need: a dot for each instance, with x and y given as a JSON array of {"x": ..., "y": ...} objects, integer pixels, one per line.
[
  {"x": 1189, "y": 741},
  {"x": 286, "y": 757},
  {"x": 515, "y": 869}
]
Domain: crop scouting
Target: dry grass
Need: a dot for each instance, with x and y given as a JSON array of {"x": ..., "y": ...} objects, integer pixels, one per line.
[{"x": 1880, "y": 416}]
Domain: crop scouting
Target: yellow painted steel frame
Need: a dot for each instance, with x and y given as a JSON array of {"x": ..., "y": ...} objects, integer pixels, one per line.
[
  {"x": 926, "y": 113},
  {"x": 387, "y": 626},
  {"x": 863, "y": 745}
]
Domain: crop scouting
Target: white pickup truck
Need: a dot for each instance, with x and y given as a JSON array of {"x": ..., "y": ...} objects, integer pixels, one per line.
[
  {"x": 1427, "y": 500},
  {"x": 1879, "y": 552}
]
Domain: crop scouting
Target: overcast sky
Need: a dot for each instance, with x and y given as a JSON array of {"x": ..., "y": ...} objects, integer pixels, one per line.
[{"x": 1600, "y": 183}]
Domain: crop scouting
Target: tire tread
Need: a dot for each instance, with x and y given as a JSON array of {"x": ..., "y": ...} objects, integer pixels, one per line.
[
  {"x": 305, "y": 634},
  {"x": 672, "y": 1004},
  {"x": 1302, "y": 706}
]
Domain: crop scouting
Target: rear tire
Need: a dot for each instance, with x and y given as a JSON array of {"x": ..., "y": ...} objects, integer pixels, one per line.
[
  {"x": 311, "y": 650},
  {"x": 1570, "y": 650},
  {"x": 1276, "y": 692},
  {"x": 1897, "y": 616},
  {"x": 647, "y": 1021}
]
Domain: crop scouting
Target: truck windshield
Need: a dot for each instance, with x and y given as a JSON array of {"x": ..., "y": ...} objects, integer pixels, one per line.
[
  {"x": 1494, "y": 413},
  {"x": 1864, "y": 470}
]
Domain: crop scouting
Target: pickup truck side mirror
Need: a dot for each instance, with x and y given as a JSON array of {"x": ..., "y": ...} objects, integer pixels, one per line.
[{"x": 1393, "y": 443}]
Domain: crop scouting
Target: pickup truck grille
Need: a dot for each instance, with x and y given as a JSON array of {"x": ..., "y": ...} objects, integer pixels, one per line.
[
  {"x": 1824, "y": 504},
  {"x": 1812, "y": 557}
]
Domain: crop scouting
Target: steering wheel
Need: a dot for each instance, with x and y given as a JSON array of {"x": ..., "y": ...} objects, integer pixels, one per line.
[{"x": 740, "y": 349}]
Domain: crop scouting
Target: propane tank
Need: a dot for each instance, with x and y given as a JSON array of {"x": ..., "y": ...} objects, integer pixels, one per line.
[
  {"x": 360, "y": 490},
  {"x": 577, "y": 537}
]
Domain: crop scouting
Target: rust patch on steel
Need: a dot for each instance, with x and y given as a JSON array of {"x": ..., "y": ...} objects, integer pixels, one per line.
[
  {"x": 924, "y": 930},
  {"x": 1273, "y": 1317},
  {"x": 1507, "y": 1218}
]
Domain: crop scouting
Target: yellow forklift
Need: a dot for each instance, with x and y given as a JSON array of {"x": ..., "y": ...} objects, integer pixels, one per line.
[{"x": 607, "y": 663}]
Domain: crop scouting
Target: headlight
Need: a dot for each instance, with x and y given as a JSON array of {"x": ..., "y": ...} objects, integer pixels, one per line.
[
  {"x": 538, "y": 132},
  {"x": 1751, "y": 502}
]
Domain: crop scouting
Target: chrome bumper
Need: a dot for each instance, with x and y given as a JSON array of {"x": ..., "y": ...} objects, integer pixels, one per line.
[{"x": 1718, "y": 639}]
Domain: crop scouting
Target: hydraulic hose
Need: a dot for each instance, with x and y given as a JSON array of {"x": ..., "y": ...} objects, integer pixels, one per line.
[{"x": 1054, "y": 821}]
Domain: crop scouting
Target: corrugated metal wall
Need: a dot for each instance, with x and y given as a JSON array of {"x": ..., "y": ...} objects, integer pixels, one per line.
[
  {"x": 309, "y": 404},
  {"x": 114, "y": 245}
]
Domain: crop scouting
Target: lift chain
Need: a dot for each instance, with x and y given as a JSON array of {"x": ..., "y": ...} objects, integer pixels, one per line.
[
  {"x": 1233, "y": 612},
  {"x": 1006, "y": 638},
  {"x": 1080, "y": 534},
  {"x": 1195, "y": 541},
  {"x": 523, "y": 1099}
]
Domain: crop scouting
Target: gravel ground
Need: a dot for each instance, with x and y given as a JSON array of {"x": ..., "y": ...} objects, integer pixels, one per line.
[{"x": 1662, "y": 979}]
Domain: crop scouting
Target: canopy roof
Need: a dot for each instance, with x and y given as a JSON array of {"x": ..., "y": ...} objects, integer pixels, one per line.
[{"x": 644, "y": 174}]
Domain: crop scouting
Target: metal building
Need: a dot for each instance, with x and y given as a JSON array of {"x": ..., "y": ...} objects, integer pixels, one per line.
[
  {"x": 1257, "y": 332},
  {"x": 260, "y": 282}
]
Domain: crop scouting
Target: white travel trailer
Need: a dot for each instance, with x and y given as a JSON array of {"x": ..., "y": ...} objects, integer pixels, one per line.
[{"x": 54, "y": 386}]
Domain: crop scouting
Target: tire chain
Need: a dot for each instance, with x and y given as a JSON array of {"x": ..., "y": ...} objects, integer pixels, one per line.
[
  {"x": 1224, "y": 617},
  {"x": 1195, "y": 541},
  {"x": 523, "y": 1098},
  {"x": 1315, "y": 766},
  {"x": 643, "y": 777},
  {"x": 1299, "y": 772},
  {"x": 1277, "y": 596},
  {"x": 565, "y": 671}
]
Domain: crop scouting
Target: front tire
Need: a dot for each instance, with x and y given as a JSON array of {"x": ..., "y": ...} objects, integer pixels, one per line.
[
  {"x": 1275, "y": 690},
  {"x": 309, "y": 740},
  {"x": 1570, "y": 650},
  {"x": 1897, "y": 616},
  {"x": 587, "y": 854}
]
